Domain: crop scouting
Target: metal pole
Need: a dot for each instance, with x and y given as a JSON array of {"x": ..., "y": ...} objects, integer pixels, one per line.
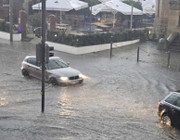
[
  {"x": 111, "y": 49},
  {"x": 138, "y": 54},
  {"x": 169, "y": 56},
  {"x": 114, "y": 18},
  {"x": 131, "y": 22},
  {"x": 43, "y": 53},
  {"x": 60, "y": 17},
  {"x": 11, "y": 19},
  {"x": 91, "y": 19}
]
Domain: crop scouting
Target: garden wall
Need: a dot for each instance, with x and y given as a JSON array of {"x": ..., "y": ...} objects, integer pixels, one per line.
[
  {"x": 88, "y": 49},
  {"x": 5, "y": 35}
]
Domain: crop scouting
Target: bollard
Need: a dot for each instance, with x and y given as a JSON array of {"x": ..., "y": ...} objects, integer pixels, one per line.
[
  {"x": 111, "y": 49},
  {"x": 138, "y": 54},
  {"x": 169, "y": 56}
]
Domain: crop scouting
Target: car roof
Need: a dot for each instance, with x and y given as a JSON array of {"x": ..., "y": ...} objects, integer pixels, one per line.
[
  {"x": 53, "y": 57},
  {"x": 177, "y": 93}
]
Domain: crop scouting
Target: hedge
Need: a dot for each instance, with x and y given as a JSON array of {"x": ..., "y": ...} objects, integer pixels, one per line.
[
  {"x": 4, "y": 26},
  {"x": 95, "y": 38}
]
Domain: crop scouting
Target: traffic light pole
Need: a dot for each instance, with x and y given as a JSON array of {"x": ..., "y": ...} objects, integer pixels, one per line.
[{"x": 43, "y": 53}]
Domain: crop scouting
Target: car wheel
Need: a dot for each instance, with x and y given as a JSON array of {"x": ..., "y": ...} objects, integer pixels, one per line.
[
  {"x": 80, "y": 82},
  {"x": 166, "y": 120},
  {"x": 25, "y": 73},
  {"x": 53, "y": 81}
]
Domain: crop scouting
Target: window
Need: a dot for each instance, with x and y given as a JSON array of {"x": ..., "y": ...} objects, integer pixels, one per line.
[
  {"x": 56, "y": 64},
  {"x": 32, "y": 61},
  {"x": 178, "y": 102},
  {"x": 172, "y": 99}
]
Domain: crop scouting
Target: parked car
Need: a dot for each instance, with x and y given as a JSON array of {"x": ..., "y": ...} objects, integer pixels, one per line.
[
  {"x": 169, "y": 109},
  {"x": 57, "y": 72}
]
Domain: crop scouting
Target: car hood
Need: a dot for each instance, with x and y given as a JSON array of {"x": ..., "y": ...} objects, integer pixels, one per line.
[{"x": 65, "y": 72}]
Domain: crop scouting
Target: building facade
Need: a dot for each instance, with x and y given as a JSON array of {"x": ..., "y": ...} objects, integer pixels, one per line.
[
  {"x": 17, "y": 6},
  {"x": 4, "y": 9},
  {"x": 167, "y": 18}
]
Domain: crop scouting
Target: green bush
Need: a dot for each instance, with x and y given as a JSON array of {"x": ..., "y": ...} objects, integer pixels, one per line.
[
  {"x": 35, "y": 20},
  {"x": 97, "y": 38},
  {"x": 4, "y": 26}
]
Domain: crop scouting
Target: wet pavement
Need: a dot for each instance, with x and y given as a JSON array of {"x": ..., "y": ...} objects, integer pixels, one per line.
[{"x": 118, "y": 100}]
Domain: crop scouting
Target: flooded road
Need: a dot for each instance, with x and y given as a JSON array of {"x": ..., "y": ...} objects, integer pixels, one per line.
[{"x": 118, "y": 100}]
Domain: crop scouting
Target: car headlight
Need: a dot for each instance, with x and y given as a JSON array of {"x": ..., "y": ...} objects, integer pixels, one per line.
[
  {"x": 64, "y": 78},
  {"x": 81, "y": 76}
]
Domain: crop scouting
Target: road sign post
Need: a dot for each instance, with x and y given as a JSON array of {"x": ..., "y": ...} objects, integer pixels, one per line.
[
  {"x": 43, "y": 54},
  {"x": 138, "y": 54},
  {"x": 111, "y": 49}
]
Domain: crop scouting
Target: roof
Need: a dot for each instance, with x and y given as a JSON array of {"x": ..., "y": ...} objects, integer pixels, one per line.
[
  {"x": 61, "y": 5},
  {"x": 115, "y": 6},
  {"x": 149, "y": 6}
]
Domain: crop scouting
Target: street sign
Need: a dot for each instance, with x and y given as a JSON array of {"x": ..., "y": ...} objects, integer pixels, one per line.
[{"x": 174, "y": 4}]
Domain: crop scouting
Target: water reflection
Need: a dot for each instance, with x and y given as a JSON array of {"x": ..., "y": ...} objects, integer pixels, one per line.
[
  {"x": 3, "y": 101},
  {"x": 170, "y": 132},
  {"x": 65, "y": 103}
]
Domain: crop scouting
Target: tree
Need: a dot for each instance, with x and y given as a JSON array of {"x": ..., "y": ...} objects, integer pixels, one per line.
[
  {"x": 35, "y": 20},
  {"x": 91, "y": 2},
  {"x": 135, "y": 4}
]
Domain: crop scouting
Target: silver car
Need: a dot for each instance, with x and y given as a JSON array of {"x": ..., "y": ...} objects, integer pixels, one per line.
[{"x": 57, "y": 71}]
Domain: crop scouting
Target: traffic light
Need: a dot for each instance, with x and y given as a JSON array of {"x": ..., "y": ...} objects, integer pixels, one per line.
[
  {"x": 38, "y": 53},
  {"x": 48, "y": 52}
]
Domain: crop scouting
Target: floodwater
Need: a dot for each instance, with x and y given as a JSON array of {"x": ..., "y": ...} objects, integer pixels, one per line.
[{"x": 117, "y": 101}]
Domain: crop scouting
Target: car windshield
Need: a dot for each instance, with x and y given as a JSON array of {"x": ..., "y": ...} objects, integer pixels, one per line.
[{"x": 56, "y": 63}]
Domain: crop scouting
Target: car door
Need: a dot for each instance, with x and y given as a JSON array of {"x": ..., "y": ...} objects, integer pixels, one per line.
[
  {"x": 174, "y": 111},
  {"x": 33, "y": 69},
  {"x": 39, "y": 73},
  {"x": 177, "y": 111}
]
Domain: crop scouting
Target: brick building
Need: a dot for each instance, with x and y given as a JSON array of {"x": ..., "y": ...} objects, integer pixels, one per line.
[
  {"x": 4, "y": 9},
  {"x": 167, "y": 18},
  {"x": 17, "y": 6}
]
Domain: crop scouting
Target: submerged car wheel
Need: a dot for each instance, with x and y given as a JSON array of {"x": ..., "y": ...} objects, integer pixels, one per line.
[
  {"x": 53, "y": 81},
  {"x": 166, "y": 120},
  {"x": 80, "y": 82},
  {"x": 25, "y": 73}
]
